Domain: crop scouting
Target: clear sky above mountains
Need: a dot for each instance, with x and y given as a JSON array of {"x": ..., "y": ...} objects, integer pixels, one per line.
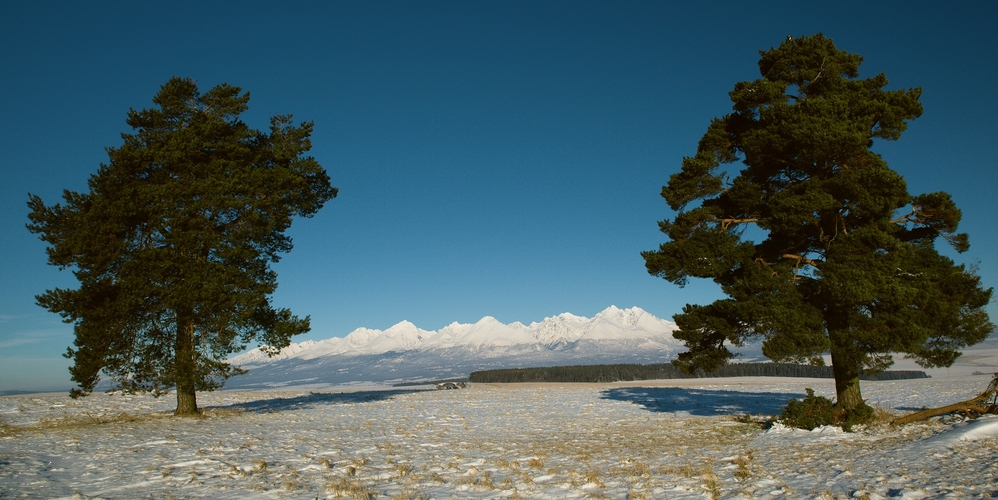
[{"x": 499, "y": 159}]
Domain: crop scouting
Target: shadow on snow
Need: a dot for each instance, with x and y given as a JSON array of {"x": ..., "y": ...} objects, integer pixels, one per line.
[
  {"x": 312, "y": 400},
  {"x": 702, "y": 402}
]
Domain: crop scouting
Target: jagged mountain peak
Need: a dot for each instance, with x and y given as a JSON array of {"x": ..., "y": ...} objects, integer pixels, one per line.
[
  {"x": 629, "y": 315},
  {"x": 406, "y": 352},
  {"x": 403, "y": 325},
  {"x": 488, "y": 320},
  {"x": 404, "y": 329},
  {"x": 555, "y": 332}
]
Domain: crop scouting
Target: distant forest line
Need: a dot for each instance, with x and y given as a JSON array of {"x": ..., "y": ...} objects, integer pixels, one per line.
[{"x": 629, "y": 372}]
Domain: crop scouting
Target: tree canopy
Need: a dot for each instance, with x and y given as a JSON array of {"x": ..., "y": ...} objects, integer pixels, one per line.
[
  {"x": 816, "y": 242},
  {"x": 172, "y": 244}
]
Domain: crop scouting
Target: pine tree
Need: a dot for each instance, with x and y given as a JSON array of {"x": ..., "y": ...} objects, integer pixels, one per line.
[
  {"x": 816, "y": 242},
  {"x": 172, "y": 244}
]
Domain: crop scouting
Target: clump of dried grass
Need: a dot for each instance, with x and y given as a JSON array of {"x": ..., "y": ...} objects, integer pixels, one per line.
[
  {"x": 704, "y": 472},
  {"x": 292, "y": 481},
  {"x": 638, "y": 495},
  {"x": 631, "y": 468},
  {"x": 742, "y": 462},
  {"x": 47, "y": 424},
  {"x": 685, "y": 470},
  {"x": 710, "y": 481},
  {"x": 409, "y": 494},
  {"x": 349, "y": 488},
  {"x": 883, "y": 415},
  {"x": 221, "y": 412},
  {"x": 593, "y": 477},
  {"x": 403, "y": 470},
  {"x": 478, "y": 479},
  {"x": 8, "y": 430}
]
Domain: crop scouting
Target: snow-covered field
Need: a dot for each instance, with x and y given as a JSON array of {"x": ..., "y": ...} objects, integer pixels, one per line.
[{"x": 661, "y": 439}]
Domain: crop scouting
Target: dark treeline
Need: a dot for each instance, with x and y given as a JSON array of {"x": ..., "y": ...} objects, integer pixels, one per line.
[{"x": 625, "y": 372}]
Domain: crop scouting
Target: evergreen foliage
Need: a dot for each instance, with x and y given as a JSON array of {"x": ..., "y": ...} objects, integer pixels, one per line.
[
  {"x": 628, "y": 372},
  {"x": 172, "y": 244},
  {"x": 816, "y": 411},
  {"x": 842, "y": 258},
  {"x": 813, "y": 411}
]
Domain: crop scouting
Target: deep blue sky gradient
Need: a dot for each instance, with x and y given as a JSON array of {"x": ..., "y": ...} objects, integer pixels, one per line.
[{"x": 493, "y": 158}]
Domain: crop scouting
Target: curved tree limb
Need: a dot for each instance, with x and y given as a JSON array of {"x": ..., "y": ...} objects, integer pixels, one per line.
[
  {"x": 801, "y": 259},
  {"x": 977, "y": 405},
  {"x": 725, "y": 223}
]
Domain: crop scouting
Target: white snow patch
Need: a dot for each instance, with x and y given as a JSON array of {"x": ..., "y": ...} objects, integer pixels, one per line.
[
  {"x": 984, "y": 427},
  {"x": 653, "y": 439}
]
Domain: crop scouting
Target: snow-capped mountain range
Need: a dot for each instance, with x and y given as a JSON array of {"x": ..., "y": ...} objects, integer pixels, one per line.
[{"x": 405, "y": 352}]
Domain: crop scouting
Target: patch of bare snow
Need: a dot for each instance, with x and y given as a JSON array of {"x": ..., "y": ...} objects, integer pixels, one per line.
[
  {"x": 666, "y": 439},
  {"x": 966, "y": 431}
]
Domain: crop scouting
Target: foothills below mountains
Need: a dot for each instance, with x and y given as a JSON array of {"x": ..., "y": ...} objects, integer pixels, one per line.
[{"x": 405, "y": 353}]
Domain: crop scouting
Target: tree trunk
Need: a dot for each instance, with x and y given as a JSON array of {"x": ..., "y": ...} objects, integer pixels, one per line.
[
  {"x": 184, "y": 365},
  {"x": 846, "y": 370}
]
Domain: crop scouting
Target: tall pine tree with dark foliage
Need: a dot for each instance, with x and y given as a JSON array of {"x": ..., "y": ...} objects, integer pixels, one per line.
[
  {"x": 841, "y": 259},
  {"x": 172, "y": 244}
]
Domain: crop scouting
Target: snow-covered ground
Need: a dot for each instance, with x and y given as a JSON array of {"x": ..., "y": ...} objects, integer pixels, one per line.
[{"x": 659, "y": 439}]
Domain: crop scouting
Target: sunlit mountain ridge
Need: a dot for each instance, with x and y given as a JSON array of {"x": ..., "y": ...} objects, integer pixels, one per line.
[{"x": 404, "y": 352}]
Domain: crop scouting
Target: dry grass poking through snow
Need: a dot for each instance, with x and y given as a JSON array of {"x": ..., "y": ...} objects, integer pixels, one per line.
[{"x": 483, "y": 442}]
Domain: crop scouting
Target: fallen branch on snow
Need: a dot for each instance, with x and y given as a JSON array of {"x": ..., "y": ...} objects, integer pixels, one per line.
[{"x": 985, "y": 402}]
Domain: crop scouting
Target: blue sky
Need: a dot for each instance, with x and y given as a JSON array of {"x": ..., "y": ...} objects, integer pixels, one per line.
[{"x": 493, "y": 158}]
